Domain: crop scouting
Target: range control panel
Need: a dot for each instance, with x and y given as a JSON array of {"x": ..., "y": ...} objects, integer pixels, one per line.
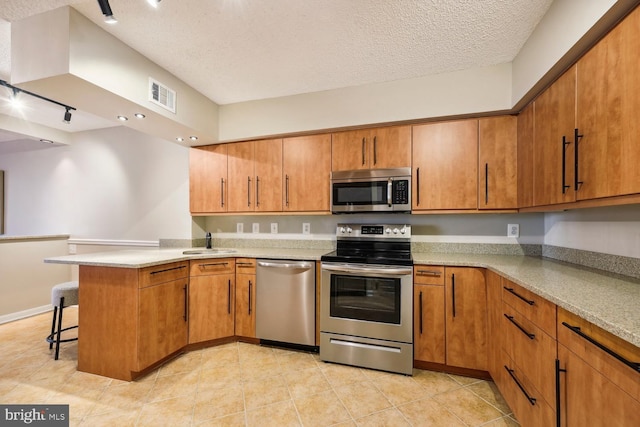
[{"x": 386, "y": 231}]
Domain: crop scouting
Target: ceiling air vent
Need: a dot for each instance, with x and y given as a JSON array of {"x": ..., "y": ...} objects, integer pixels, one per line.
[{"x": 162, "y": 95}]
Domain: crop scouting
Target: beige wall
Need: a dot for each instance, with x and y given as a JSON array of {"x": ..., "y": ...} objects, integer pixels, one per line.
[{"x": 25, "y": 280}]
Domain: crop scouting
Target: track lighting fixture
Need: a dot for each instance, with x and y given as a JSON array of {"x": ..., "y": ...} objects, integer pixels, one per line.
[
  {"x": 106, "y": 11},
  {"x": 16, "y": 90}
]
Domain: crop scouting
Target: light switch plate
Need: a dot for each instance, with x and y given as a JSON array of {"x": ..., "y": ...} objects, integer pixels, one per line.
[
  {"x": 306, "y": 228},
  {"x": 513, "y": 230},
  {"x": 239, "y": 228},
  {"x": 274, "y": 228},
  {"x": 255, "y": 227}
]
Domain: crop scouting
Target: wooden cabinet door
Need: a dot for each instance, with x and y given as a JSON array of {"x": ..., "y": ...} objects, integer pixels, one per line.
[
  {"x": 589, "y": 398},
  {"x": 466, "y": 317},
  {"x": 268, "y": 175},
  {"x": 163, "y": 321},
  {"x": 428, "y": 323},
  {"x": 608, "y": 106},
  {"x": 211, "y": 307},
  {"x": 555, "y": 119},
  {"x": 390, "y": 147},
  {"x": 349, "y": 150},
  {"x": 240, "y": 174},
  {"x": 307, "y": 171},
  {"x": 525, "y": 156},
  {"x": 246, "y": 305},
  {"x": 498, "y": 163},
  {"x": 445, "y": 165},
  {"x": 208, "y": 179}
]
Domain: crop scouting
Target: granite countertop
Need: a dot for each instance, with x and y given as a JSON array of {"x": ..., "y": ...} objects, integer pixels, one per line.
[{"x": 607, "y": 301}]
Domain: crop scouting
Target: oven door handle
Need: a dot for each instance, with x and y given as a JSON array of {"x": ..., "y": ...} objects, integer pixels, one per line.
[{"x": 368, "y": 269}]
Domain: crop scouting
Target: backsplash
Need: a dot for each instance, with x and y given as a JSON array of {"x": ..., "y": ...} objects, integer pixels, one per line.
[{"x": 626, "y": 266}]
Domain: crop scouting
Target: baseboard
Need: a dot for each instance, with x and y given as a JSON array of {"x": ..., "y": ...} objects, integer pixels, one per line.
[{"x": 6, "y": 318}]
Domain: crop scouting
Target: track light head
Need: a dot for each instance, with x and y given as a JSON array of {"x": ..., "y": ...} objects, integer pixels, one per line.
[
  {"x": 67, "y": 116},
  {"x": 106, "y": 11}
]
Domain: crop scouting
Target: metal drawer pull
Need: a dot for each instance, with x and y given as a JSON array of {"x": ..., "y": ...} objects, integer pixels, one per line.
[
  {"x": 633, "y": 365},
  {"x": 168, "y": 269},
  {"x": 531, "y": 400},
  {"x": 429, "y": 273},
  {"x": 524, "y": 331},
  {"x": 528, "y": 301},
  {"x": 244, "y": 264},
  {"x": 215, "y": 264}
]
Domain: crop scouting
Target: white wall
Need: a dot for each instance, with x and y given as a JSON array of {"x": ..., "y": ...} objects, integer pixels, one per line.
[
  {"x": 610, "y": 230},
  {"x": 113, "y": 183}
]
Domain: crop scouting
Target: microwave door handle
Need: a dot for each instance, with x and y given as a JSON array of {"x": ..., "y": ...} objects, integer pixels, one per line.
[{"x": 389, "y": 191}]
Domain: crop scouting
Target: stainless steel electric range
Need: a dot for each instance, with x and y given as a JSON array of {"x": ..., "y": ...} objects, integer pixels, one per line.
[{"x": 366, "y": 298}]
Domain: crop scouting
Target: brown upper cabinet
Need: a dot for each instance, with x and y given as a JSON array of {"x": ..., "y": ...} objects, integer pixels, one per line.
[
  {"x": 388, "y": 147},
  {"x": 498, "y": 163},
  {"x": 525, "y": 156},
  {"x": 306, "y": 169},
  {"x": 208, "y": 179},
  {"x": 255, "y": 176},
  {"x": 445, "y": 166}
]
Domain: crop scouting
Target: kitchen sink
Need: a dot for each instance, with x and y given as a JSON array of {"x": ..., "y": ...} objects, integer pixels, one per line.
[{"x": 208, "y": 251}]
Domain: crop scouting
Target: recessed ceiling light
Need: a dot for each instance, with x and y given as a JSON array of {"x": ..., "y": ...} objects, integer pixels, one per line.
[
  {"x": 123, "y": 118},
  {"x": 140, "y": 115},
  {"x": 193, "y": 138},
  {"x": 179, "y": 139}
]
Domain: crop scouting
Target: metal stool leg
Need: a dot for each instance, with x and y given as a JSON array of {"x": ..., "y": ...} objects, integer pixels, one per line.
[
  {"x": 53, "y": 327},
  {"x": 59, "y": 328}
]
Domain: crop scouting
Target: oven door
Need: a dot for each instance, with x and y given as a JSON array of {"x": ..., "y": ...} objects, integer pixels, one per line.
[{"x": 367, "y": 300}]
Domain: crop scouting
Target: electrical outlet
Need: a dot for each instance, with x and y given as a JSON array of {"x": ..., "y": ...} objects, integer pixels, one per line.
[
  {"x": 306, "y": 228},
  {"x": 274, "y": 228},
  {"x": 513, "y": 230},
  {"x": 255, "y": 227},
  {"x": 73, "y": 249},
  {"x": 239, "y": 228}
]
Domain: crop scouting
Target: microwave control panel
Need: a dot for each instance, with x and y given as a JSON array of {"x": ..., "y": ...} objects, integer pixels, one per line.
[{"x": 400, "y": 192}]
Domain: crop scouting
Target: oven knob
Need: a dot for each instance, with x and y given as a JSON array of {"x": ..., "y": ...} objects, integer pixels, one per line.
[
  {"x": 388, "y": 230},
  {"x": 349, "y": 230},
  {"x": 396, "y": 231},
  {"x": 342, "y": 230},
  {"x": 403, "y": 230}
]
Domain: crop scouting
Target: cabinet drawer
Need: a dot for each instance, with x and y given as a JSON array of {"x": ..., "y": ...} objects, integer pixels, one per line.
[
  {"x": 523, "y": 398},
  {"x": 206, "y": 267},
  {"x": 428, "y": 275},
  {"x": 597, "y": 348},
  {"x": 245, "y": 266},
  {"x": 535, "y": 308},
  {"x": 532, "y": 351},
  {"x": 157, "y": 274}
]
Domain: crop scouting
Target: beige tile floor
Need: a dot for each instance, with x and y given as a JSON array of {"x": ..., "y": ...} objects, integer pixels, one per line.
[{"x": 238, "y": 385}]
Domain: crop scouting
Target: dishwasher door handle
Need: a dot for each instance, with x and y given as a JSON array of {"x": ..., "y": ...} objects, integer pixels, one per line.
[{"x": 274, "y": 264}]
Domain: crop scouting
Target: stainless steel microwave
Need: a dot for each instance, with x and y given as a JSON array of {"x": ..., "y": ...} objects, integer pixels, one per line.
[{"x": 371, "y": 190}]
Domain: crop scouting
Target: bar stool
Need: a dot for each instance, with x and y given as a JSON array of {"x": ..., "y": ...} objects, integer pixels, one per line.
[{"x": 62, "y": 295}]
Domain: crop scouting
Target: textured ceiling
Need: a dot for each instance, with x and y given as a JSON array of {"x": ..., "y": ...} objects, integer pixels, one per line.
[{"x": 240, "y": 50}]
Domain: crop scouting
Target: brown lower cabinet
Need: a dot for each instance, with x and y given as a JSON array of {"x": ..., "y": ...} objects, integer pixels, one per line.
[
  {"x": 245, "y": 322},
  {"x": 211, "y": 299}
]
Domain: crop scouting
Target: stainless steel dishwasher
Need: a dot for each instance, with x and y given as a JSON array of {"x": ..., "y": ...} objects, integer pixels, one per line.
[{"x": 286, "y": 301}]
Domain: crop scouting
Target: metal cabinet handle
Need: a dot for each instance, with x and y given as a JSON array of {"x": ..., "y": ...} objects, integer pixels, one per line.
[
  {"x": 486, "y": 183},
  {"x": 222, "y": 192},
  {"x": 167, "y": 269},
  {"x": 257, "y": 190},
  {"x": 433, "y": 273},
  {"x": 453, "y": 293},
  {"x": 375, "y": 150},
  {"x": 577, "y": 182},
  {"x": 531, "y": 400},
  {"x": 418, "y": 186},
  {"x": 420, "y": 312},
  {"x": 229, "y": 297},
  {"x": 250, "y": 286},
  {"x": 248, "y": 191},
  {"x": 558, "y": 403},
  {"x": 363, "y": 150},
  {"x": 286, "y": 190},
  {"x": 186, "y": 307},
  {"x": 528, "y": 301},
  {"x": 213, "y": 264},
  {"x": 244, "y": 264},
  {"x": 576, "y": 329},
  {"x": 523, "y": 330}
]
